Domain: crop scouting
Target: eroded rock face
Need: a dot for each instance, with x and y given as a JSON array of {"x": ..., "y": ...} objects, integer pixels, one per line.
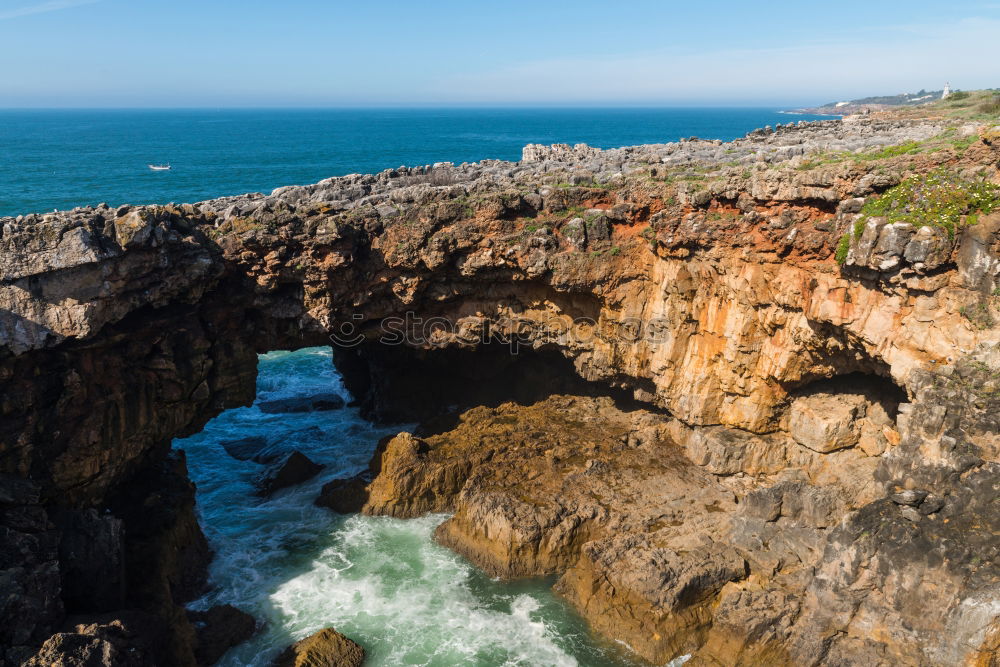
[{"x": 694, "y": 286}]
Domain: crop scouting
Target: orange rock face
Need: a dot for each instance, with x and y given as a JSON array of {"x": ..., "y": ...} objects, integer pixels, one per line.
[{"x": 838, "y": 419}]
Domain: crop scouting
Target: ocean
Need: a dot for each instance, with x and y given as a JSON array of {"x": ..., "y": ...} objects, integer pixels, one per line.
[{"x": 58, "y": 159}]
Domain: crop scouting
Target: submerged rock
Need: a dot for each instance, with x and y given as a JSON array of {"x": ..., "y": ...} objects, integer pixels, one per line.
[
  {"x": 293, "y": 469},
  {"x": 245, "y": 449},
  {"x": 316, "y": 403},
  {"x": 326, "y": 648}
]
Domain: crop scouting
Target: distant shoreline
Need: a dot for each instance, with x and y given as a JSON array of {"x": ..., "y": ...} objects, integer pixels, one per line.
[{"x": 812, "y": 112}]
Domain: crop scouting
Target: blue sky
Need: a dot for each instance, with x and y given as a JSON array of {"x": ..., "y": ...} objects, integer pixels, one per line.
[{"x": 220, "y": 53}]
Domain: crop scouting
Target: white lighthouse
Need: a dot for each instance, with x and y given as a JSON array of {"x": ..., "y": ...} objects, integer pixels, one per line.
[{"x": 947, "y": 91}]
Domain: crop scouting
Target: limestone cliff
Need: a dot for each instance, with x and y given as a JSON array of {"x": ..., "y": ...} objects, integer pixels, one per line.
[{"x": 839, "y": 417}]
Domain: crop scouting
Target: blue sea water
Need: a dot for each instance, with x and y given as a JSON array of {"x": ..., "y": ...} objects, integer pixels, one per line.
[{"x": 58, "y": 159}]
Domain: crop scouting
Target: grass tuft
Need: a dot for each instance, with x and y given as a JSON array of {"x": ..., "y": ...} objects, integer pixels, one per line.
[{"x": 843, "y": 247}]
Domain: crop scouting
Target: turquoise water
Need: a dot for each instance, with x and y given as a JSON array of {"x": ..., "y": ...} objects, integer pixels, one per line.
[
  {"x": 381, "y": 581},
  {"x": 60, "y": 159}
]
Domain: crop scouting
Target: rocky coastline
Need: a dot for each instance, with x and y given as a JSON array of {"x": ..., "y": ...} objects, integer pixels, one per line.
[{"x": 746, "y": 420}]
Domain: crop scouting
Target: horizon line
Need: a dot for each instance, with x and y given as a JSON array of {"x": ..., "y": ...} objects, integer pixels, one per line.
[{"x": 406, "y": 107}]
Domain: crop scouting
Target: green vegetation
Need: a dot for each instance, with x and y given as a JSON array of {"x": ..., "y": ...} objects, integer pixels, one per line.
[
  {"x": 909, "y": 148},
  {"x": 716, "y": 216},
  {"x": 588, "y": 185},
  {"x": 859, "y": 227},
  {"x": 940, "y": 198},
  {"x": 843, "y": 246}
]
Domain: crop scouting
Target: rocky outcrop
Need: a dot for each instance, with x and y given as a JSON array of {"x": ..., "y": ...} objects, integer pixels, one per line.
[
  {"x": 218, "y": 629},
  {"x": 102, "y": 642},
  {"x": 326, "y": 648},
  {"x": 796, "y": 567},
  {"x": 290, "y": 470},
  {"x": 696, "y": 278}
]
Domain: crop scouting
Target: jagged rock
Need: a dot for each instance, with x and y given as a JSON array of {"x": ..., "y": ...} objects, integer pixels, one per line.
[
  {"x": 218, "y": 629},
  {"x": 892, "y": 242},
  {"x": 117, "y": 642},
  {"x": 598, "y": 229},
  {"x": 535, "y": 490},
  {"x": 293, "y": 469},
  {"x": 909, "y": 497},
  {"x": 346, "y": 495},
  {"x": 326, "y": 648}
]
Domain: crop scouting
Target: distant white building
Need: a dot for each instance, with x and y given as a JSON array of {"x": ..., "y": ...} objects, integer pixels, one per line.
[{"x": 947, "y": 91}]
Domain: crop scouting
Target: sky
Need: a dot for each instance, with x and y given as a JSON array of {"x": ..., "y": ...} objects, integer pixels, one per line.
[{"x": 335, "y": 53}]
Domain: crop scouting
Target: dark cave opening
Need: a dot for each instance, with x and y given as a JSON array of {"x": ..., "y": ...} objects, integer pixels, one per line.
[{"x": 433, "y": 386}]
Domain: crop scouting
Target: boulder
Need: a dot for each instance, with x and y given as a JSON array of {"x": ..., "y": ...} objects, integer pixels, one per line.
[
  {"x": 326, "y": 648},
  {"x": 316, "y": 403},
  {"x": 826, "y": 422},
  {"x": 293, "y": 469},
  {"x": 245, "y": 449},
  {"x": 219, "y": 629},
  {"x": 345, "y": 495}
]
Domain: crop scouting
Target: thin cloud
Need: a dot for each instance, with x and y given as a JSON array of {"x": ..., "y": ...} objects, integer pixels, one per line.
[
  {"x": 904, "y": 58},
  {"x": 42, "y": 8}
]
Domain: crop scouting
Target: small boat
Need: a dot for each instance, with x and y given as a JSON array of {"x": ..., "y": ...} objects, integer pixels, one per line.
[{"x": 159, "y": 167}]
